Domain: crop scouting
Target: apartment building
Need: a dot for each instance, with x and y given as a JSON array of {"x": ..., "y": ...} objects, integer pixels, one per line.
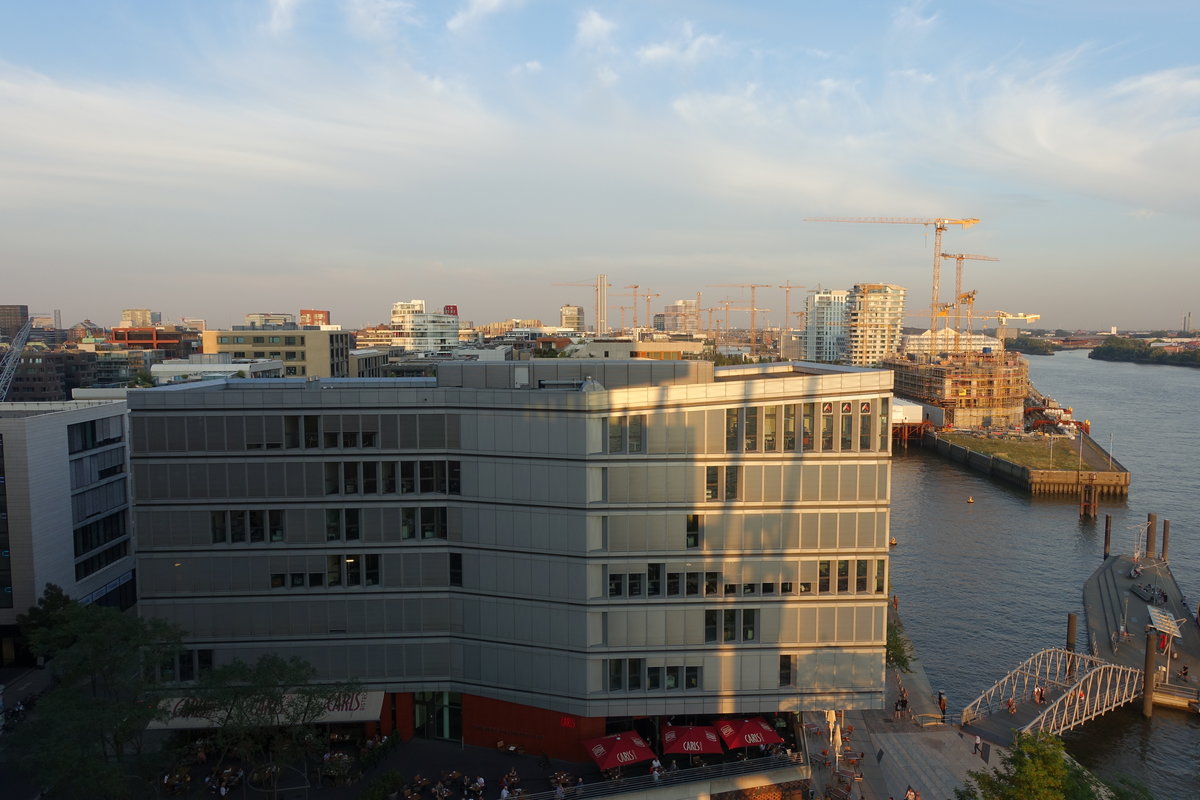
[
  {"x": 64, "y": 508},
  {"x": 423, "y": 332},
  {"x": 526, "y": 550},
  {"x": 874, "y": 322},
  {"x": 824, "y": 336},
  {"x": 305, "y": 352}
]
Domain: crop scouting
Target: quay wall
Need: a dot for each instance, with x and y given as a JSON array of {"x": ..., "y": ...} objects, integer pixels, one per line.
[{"x": 1036, "y": 481}]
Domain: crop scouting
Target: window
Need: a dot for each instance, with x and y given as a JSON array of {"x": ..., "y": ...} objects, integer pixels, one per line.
[
  {"x": 731, "y": 588},
  {"x": 275, "y": 525},
  {"x": 768, "y": 588},
  {"x": 297, "y": 579},
  {"x": 673, "y": 584},
  {"x": 258, "y": 530},
  {"x": 786, "y": 587},
  {"x": 237, "y": 526},
  {"x": 843, "y": 575},
  {"x": 691, "y": 586},
  {"x": 807, "y": 426},
  {"x": 636, "y": 425},
  {"x": 692, "y": 535},
  {"x": 826, "y": 427},
  {"x": 879, "y": 583},
  {"x": 316, "y": 579},
  {"x": 711, "y": 624},
  {"x": 616, "y": 585},
  {"x": 770, "y": 423},
  {"x": 456, "y": 569},
  {"x": 711, "y": 582},
  {"x": 654, "y": 580},
  {"x": 333, "y": 570},
  {"x": 616, "y": 434},
  {"x": 730, "y": 625},
  {"x": 749, "y": 624},
  {"x": 353, "y": 570},
  {"x": 220, "y": 530},
  {"x": 864, "y": 425},
  {"x": 633, "y": 676},
  {"x": 636, "y": 580},
  {"x": 785, "y": 670},
  {"x": 674, "y": 677},
  {"x": 616, "y": 674},
  {"x": 732, "y": 473},
  {"x": 749, "y": 588},
  {"x": 823, "y": 576},
  {"x": 711, "y": 482},
  {"x": 731, "y": 430},
  {"x": 278, "y": 580},
  {"x": 847, "y": 421},
  {"x": 789, "y": 428},
  {"x": 691, "y": 677},
  {"x": 750, "y": 430},
  {"x": 333, "y": 524},
  {"x": 654, "y": 678},
  {"x": 860, "y": 576}
]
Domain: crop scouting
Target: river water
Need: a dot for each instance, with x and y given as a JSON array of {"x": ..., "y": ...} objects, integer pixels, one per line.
[{"x": 984, "y": 585}]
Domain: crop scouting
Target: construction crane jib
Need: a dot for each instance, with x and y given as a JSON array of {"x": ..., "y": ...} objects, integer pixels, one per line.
[{"x": 940, "y": 224}]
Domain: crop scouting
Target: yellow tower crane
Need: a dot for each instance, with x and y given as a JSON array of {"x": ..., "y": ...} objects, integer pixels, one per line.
[
  {"x": 940, "y": 224},
  {"x": 959, "y": 258},
  {"x": 753, "y": 309}
]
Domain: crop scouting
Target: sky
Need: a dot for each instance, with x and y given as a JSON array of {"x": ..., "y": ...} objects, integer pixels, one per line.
[{"x": 217, "y": 157}]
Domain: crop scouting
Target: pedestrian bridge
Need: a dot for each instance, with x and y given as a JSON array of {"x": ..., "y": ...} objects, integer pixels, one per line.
[{"x": 1077, "y": 688}]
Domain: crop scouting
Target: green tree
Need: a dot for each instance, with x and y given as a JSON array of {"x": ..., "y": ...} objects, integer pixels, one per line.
[
  {"x": 899, "y": 651},
  {"x": 1035, "y": 768},
  {"x": 85, "y": 735},
  {"x": 263, "y": 711},
  {"x": 48, "y": 612}
]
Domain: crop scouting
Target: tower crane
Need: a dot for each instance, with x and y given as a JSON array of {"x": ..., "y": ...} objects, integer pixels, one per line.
[
  {"x": 958, "y": 290},
  {"x": 753, "y": 309},
  {"x": 635, "y": 288},
  {"x": 649, "y": 318},
  {"x": 787, "y": 310},
  {"x": 12, "y": 358},
  {"x": 940, "y": 224}
]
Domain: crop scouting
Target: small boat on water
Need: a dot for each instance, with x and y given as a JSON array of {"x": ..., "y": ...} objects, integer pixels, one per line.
[
  {"x": 970, "y": 499},
  {"x": 892, "y": 542}
]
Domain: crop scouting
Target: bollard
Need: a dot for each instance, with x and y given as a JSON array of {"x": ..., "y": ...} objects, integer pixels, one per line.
[
  {"x": 1107, "y": 535},
  {"x": 1151, "y": 533},
  {"x": 1166, "y": 538},
  {"x": 1148, "y": 676}
]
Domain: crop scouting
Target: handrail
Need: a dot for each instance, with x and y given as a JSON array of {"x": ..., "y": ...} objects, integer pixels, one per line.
[{"x": 676, "y": 778}]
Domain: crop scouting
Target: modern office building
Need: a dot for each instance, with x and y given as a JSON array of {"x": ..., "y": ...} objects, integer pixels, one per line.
[
  {"x": 422, "y": 332},
  {"x": 874, "y": 319},
  {"x": 266, "y": 319},
  {"x": 12, "y": 319},
  {"x": 139, "y": 318},
  {"x": 529, "y": 550},
  {"x": 64, "y": 508},
  {"x": 680, "y": 316},
  {"x": 314, "y": 316},
  {"x": 824, "y": 336},
  {"x": 305, "y": 352},
  {"x": 173, "y": 340},
  {"x": 571, "y": 318}
]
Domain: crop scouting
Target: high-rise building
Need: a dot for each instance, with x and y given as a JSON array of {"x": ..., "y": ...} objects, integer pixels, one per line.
[
  {"x": 682, "y": 316},
  {"x": 419, "y": 331},
  {"x": 12, "y": 319},
  {"x": 64, "y": 508},
  {"x": 314, "y": 316},
  {"x": 554, "y": 544},
  {"x": 139, "y": 318},
  {"x": 875, "y": 317},
  {"x": 265, "y": 319},
  {"x": 824, "y": 335},
  {"x": 305, "y": 352},
  {"x": 571, "y": 318}
]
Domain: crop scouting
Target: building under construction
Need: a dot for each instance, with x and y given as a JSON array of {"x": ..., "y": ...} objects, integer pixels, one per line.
[{"x": 974, "y": 390}]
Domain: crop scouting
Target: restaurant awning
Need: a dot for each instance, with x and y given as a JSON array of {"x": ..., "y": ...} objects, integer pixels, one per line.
[
  {"x": 349, "y": 707},
  {"x": 747, "y": 732},
  {"x": 618, "y": 750},
  {"x": 691, "y": 740}
]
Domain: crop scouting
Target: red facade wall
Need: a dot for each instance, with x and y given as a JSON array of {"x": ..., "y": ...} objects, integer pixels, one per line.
[{"x": 486, "y": 722}]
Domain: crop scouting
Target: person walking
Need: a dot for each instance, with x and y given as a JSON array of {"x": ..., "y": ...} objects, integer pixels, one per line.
[
  {"x": 942, "y": 704},
  {"x": 978, "y": 745}
]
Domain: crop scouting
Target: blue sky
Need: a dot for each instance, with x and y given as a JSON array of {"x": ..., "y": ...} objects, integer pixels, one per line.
[{"x": 211, "y": 158}]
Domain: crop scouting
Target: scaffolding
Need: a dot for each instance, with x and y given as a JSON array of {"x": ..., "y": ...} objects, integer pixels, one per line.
[{"x": 975, "y": 389}]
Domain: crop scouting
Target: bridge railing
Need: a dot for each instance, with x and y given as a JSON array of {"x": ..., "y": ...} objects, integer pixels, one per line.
[
  {"x": 1054, "y": 670},
  {"x": 1101, "y": 690}
]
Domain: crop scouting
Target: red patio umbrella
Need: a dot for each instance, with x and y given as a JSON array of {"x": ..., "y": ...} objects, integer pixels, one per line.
[
  {"x": 618, "y": 750},
  {"x": 690, "y": 739},
  {"x": 747, "y": 732}
]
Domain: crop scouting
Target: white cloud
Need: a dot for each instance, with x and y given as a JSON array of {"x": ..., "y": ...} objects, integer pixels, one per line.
[
  {"x": 594, "y": 31},
  {"x": 378, "y": 19},
  {"x": 910, "y": 17},
  {"x": 281, "y": 16},
  {"x": 688, "y": 49},
  {"x": 528, "y": 68},
  {"x": 607, "y": 76},
  {"x": 476, "y": 10}
]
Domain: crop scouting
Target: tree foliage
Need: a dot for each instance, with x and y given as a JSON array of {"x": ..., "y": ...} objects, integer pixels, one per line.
[
  {"x": 262, "y": 711},
  {"x": 899, "y": 651},
  {"x": 1035, "y": 768},
  {"x": 87, "y": 729},
  {"x": 1031, "y": 346},
  {"x": 1120, "y": 348}
]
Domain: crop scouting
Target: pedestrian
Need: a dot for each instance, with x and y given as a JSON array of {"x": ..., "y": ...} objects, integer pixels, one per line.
[
  {"x": 896, "y": 709},
  {"x": 942, "y": 704},
  {"x": 978, "y": 745},
  {"x": 895, "y": 602}
]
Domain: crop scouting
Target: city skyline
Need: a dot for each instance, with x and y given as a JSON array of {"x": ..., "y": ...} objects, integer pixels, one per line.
[{"x": 211, "y": 159}]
